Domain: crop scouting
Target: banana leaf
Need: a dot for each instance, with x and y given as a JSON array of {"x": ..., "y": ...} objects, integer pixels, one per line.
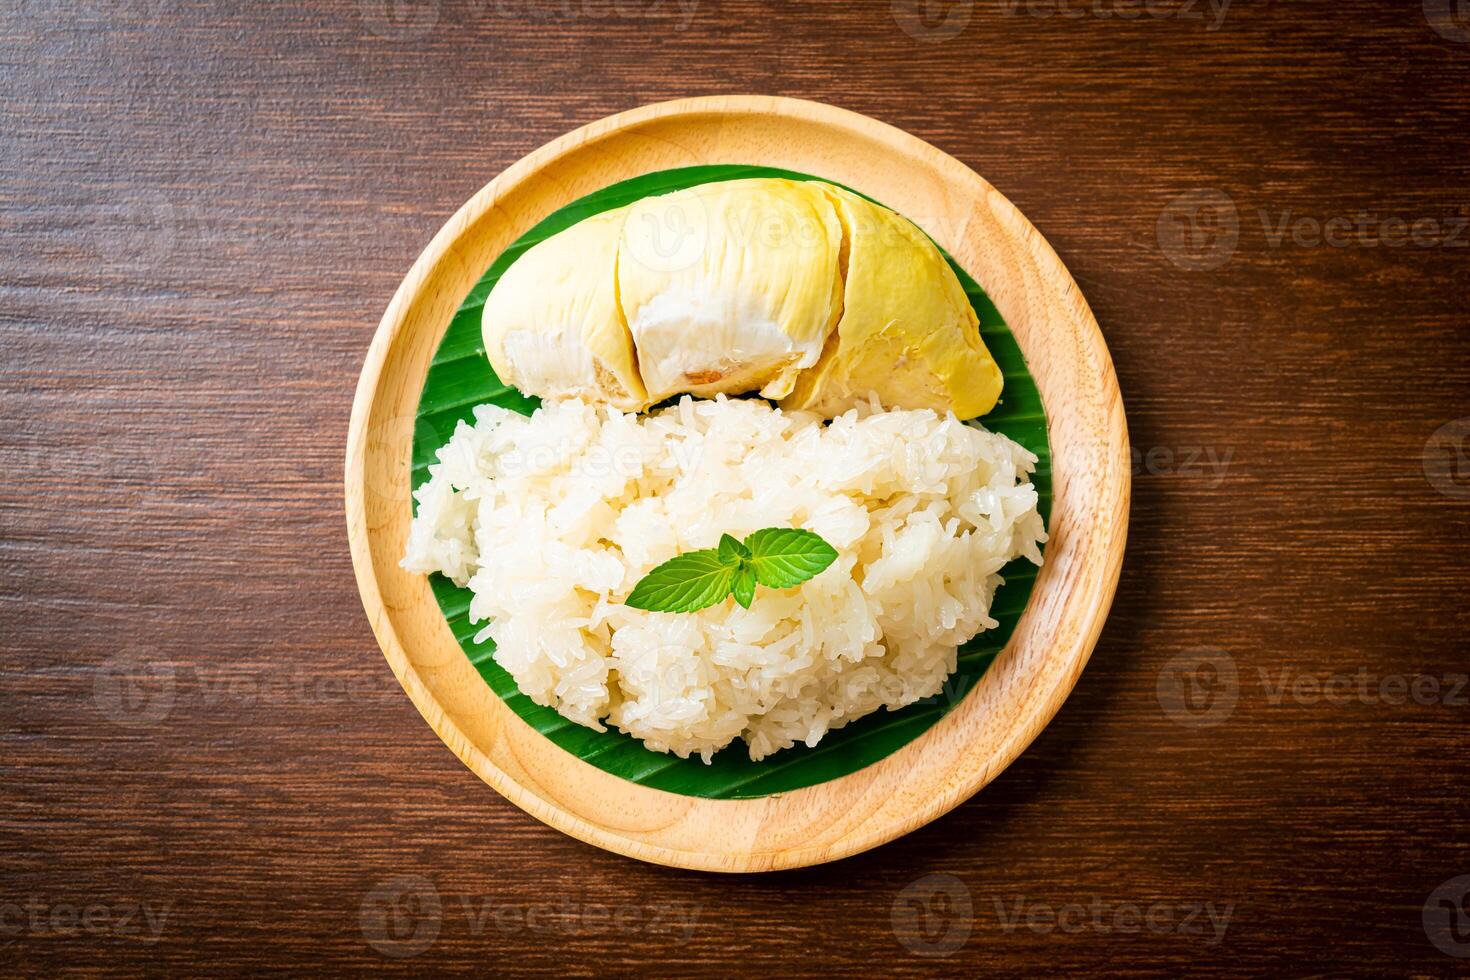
[{"x": 460, "y": 378}]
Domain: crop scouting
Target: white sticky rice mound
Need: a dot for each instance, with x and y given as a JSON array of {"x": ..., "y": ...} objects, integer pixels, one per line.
[{"x": 551, "y": 520}]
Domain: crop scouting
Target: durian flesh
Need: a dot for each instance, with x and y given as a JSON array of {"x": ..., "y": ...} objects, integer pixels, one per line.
[
  {"x": 730, "y": 287},
  {"x": 553, "y": 326},
  {"x": 908, "y": 332},
  {"x": 796, "y": 289}
]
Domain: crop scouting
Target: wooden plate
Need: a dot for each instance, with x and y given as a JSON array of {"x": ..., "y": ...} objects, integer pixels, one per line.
[{"x": 1014, "y": 699}]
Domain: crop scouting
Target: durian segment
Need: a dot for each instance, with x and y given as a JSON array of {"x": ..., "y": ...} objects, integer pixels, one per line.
[
  {"x": 732, "y": 286},
  {"x": 552, "y": 324},
  {"x": 907, "y": 333}
]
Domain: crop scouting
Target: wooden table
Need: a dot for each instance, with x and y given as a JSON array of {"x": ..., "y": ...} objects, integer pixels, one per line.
[{"x": 205, "y": 765}]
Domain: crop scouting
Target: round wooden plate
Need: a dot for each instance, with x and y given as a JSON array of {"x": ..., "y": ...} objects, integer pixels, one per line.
[{"x": 1014, "y": 699}]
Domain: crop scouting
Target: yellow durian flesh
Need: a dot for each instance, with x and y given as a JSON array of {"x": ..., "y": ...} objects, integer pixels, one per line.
[
  {"x": 730, "y": 287},
  {"x": 907, "y": 333},
  {"x": 553, "y": 326}
]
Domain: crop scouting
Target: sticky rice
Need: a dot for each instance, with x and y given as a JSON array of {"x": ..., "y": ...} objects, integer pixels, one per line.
[{"x": 550, "y": 520}]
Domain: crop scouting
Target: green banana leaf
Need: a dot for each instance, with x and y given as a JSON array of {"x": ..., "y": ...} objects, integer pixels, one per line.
[{"x": 460, "y": 378}]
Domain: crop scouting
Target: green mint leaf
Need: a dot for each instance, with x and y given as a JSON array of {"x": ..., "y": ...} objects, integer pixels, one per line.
[
  {"x": 782, "y": 557},
  {"x": 684, "y": 584},
  {"x": 731, "y": 551},
  {"x": 744, "y": 585},
  {"x": 776, "y": 557}
]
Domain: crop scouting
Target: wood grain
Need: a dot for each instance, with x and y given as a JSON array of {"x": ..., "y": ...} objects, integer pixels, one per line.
[
  {"x": 205, "y": 209},
  {"x": 1013, "y": 700}
]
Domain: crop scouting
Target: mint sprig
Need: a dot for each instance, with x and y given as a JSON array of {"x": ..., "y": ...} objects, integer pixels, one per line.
[{"x": 776, "y": 557}]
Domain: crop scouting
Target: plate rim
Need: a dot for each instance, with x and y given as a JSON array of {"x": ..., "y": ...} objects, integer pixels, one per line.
[{"x": 739, "y": 853}]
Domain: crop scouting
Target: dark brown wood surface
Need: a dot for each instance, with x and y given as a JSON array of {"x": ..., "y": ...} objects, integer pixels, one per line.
[{"x": 205, "y": 764}]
